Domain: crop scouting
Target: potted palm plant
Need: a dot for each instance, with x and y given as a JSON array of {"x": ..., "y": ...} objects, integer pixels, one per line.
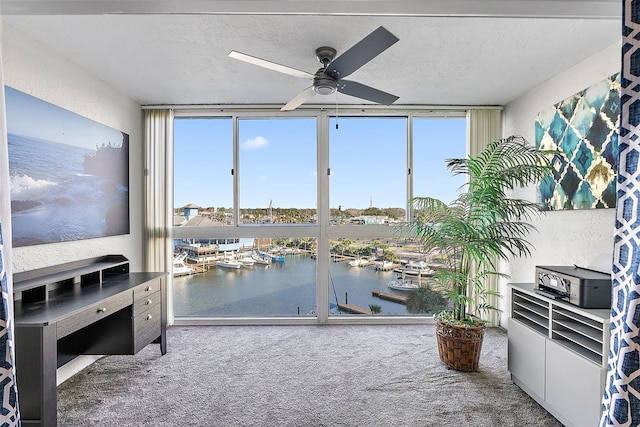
[{"x": 484, "y": 224}]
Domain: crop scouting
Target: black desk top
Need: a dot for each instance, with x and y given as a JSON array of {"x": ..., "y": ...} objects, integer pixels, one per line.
[{"x": 69, "y": 302}]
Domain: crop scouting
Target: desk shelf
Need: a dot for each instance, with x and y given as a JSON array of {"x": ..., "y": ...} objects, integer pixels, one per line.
[{"x": 38, "y": 284}]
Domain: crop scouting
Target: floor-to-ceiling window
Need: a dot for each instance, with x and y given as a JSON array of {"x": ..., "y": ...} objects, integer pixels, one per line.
[
  {"x": 367, "y": 191},
  {"x": 297, "y": 216}
]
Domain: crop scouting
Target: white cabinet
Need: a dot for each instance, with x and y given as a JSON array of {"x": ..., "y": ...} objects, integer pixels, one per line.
[
  {"x": 557, "y": 354},
  {"x": 574, "y": 385},
  {"x": 527, "y": 357}
]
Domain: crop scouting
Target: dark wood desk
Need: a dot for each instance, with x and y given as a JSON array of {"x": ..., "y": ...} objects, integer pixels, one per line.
[{"x": 93, "y": 306}]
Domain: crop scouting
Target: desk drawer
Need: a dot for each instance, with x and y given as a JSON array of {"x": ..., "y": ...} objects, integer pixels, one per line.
[
  {"x": 146, "y": 303},
  {"x": 143, "y": 291},
  {"x": 147, "y": 327},
  {"x": 92, "y": 314}
]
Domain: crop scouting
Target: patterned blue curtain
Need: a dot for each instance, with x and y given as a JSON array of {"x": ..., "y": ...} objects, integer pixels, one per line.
[
  {"x": 621, "y": 399},
  {"x": 9, "y": 415}
]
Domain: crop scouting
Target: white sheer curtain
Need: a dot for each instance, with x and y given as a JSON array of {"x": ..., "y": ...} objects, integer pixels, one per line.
[
  {"x": 158, "y": 194},
  {"x": 483, "y": 127}
]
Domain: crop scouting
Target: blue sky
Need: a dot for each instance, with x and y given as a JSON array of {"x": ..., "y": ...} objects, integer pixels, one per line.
[
  {"x": 277, "y": 159},
  {"x": 30, "y": 116}
]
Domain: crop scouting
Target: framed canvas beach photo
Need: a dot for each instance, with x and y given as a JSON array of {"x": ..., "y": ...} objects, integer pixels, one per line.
[{"x": 69, "y": 175}]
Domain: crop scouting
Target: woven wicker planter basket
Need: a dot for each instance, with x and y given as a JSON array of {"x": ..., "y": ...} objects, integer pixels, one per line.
[{"x": 459, "y": 346}]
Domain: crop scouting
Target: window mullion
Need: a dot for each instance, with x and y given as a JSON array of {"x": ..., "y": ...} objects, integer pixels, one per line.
[
  {"x": 323, "y": 214},
  {"x": 409, "y": 210},
  {"x": 236, "y": 172}
]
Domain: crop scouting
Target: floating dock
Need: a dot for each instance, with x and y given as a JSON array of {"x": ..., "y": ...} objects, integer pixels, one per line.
[
  {"x": 390, "y": 297},
  {"x": 350, "y": 308}
]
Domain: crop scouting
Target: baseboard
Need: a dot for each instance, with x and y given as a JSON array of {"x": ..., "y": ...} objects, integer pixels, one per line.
[{"x": 68, "y": 370}]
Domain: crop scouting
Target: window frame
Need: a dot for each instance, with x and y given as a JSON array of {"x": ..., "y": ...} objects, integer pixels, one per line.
[{"x": 321, "y": 230}]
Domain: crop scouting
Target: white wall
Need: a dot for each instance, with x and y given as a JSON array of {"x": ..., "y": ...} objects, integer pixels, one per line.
[
  {"x": 33, "y": 69},
  {"x": 564, "y": 237}
]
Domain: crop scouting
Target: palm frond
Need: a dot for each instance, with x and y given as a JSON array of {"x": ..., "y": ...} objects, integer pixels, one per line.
[{"x": 484, "y": 224}]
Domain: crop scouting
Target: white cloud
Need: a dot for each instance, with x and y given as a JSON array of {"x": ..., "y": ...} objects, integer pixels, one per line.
[{"x": 254, "y": 143}]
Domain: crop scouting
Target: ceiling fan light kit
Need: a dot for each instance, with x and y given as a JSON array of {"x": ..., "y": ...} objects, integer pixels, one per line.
[
  {"x": 328, "y": 79},
  {"x": 323, "y": 84}
]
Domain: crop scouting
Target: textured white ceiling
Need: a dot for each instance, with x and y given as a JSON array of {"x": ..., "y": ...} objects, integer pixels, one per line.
[{"x": 182, "y": 58}]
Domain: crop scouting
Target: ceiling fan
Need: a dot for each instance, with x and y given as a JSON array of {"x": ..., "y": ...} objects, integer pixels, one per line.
[{"x": 330, "y": 77}]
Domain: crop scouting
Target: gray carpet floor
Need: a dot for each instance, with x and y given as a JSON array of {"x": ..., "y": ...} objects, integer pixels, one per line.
[{"x": 298, "y": 376}]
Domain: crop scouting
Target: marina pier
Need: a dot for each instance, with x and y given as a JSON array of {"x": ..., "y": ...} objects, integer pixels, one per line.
[
  {"x": 401, "y": 299},
  {"x": 350, "y": 308}
]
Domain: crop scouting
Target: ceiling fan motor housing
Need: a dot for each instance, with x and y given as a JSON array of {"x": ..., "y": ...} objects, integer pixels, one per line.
[{"x": 323, "y": 84}]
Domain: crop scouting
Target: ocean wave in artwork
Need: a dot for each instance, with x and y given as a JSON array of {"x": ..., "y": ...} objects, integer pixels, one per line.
[{"x": 24, "y": 186}]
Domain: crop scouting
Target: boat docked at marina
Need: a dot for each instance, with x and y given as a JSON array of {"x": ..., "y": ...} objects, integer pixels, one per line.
[
  {"x": 246, "y": 261},
  {"x": 290, "y": 251},
  {"x": 229, "y": 263},
  {"x": 358, "y": 262},
  {"x": 403, "y": 285},
  {"x": 260, "y": 259},
  {"x": 415, "y": 268},
  {"x": 274, "y": 256},
  {"x": 383, "y": 265},
  {"x": 179, "y": 266},
  {"x": 277, "y": 258}
]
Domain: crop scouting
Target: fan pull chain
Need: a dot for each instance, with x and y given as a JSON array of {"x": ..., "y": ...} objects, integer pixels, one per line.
[{"x": 336, "y": 110}]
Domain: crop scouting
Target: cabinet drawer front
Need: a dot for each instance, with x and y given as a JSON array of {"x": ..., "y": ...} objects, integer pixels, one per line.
[
  {"x": 143, "y": 291},
  {"x": 147, "y": 327},
  {"x": 574, "y": 385},
  {"x": 92, "y": 314},
  {"x": 526, "y": 356},
  {"x": 146, "y": 303}
]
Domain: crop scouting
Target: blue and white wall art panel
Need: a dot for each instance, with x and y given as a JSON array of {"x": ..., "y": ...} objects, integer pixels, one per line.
[{"x": 583, "y": 131}]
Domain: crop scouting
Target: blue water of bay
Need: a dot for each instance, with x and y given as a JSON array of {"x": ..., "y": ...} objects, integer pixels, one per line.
[{"x": 281, "y": 289}]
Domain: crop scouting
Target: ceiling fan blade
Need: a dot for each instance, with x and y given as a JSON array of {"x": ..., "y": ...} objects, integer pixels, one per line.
[
  {"x": 299, "y": 99},
  {"x": 269, "y": 65},
  {"x": 361, "y": 53},
  {"x": 365, "y": 92}
]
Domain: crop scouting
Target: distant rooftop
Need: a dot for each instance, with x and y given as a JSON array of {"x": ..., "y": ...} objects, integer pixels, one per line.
[{"x": 200, "y": 221}]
